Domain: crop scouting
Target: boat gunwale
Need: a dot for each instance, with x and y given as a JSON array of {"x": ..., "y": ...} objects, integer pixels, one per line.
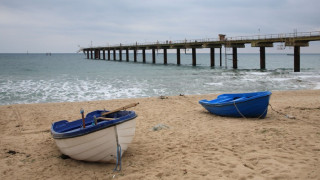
[{"x": 89, "y": 129}]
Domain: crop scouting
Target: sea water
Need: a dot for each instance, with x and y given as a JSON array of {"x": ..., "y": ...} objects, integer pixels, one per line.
[{"x": 43, "y": 78}]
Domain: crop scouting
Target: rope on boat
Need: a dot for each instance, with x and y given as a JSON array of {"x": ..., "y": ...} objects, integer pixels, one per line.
[
  {"x": 292, "y": 117},
  {"x": 234, "y": 102},
  {"x": 263, "y": 112},
  {"x": 287, "y": 116},
  {"x": 118, "y": 163}
]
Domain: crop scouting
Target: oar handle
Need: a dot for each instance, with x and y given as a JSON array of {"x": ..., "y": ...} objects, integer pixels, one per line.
[
  {"x": 119, "y": 109},
  {"x": 106, "y": 119}
]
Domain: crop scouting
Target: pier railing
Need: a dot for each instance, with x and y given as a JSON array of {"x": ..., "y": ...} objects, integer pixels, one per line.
[{"x": 276, "y": 36}]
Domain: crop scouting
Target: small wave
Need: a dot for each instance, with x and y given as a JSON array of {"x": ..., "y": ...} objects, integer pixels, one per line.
[
  {"x": 317, "y": 86},
  {"x": 214, "y": 84},
  {"x": 30, "y": 91}
]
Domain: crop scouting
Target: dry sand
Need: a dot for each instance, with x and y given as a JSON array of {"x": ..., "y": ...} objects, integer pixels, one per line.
[{"x": 197, "y": 145}]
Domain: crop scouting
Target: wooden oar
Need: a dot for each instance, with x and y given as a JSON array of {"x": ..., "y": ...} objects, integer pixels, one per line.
[
  {"x": 107, "y": 119},
  {"x": 119, "y": 109}
]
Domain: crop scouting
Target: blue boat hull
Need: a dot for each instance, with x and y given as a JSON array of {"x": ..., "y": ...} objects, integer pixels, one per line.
[{"x": 249, "y": 105}]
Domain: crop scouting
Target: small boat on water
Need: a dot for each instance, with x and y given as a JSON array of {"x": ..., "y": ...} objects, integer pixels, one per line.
[
  {"x": 102, "y": 136},
  {"x": 248, "y": 105}
]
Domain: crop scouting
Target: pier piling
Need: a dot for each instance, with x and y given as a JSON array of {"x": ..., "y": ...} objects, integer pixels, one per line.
[
  {"x": 220, "y": 57},
  {"x": 178, "y": 56},
  {"x": 153, "y": 55},
  {"x": 296, "y": 58},
  {"x": 262, "y": 57},
  {"x": 144, "y": 55},
  {"x": 97, "y": 54},
  {"x": 114, "y": 54},
  {"x": 234, "y": 58},
  {"x": 212, "y": 57},
  {"x": 194, "y": 57},
  {"x": 135, "y": 55},
  {"x": 127, "y": 55},
  {"x": 109, "y": 54},
  {"x": 164, "y": 56},
  {"x": 262, "y": 45}
]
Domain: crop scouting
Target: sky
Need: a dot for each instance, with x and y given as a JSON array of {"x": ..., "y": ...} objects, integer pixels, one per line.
[{"x": 62, "y": 26}]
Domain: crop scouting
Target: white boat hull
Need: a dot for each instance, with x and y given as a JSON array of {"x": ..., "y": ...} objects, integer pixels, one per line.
[{"x": 99, "y": 146}]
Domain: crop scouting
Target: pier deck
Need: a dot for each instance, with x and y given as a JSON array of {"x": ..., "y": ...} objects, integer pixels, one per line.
[{"x": 295, "y": 40}]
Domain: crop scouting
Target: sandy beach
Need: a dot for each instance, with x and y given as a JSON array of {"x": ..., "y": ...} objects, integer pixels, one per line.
[{"x": 196, "y": 144}]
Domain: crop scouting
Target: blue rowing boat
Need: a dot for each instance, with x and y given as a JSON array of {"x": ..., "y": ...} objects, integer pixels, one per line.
[{"x": 247, "y": 105}]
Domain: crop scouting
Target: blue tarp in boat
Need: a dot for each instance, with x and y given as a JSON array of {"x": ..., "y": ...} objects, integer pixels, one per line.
[
  {"x": 249, "y": 105},
  {"x": 64, "y": 129}
]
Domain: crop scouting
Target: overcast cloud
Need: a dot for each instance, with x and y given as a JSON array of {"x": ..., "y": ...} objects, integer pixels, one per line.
[{"x": 62, "y": 25}]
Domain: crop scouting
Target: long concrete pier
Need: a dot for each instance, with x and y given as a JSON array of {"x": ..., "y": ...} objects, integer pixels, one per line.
[{"x": 295, "y": 40}]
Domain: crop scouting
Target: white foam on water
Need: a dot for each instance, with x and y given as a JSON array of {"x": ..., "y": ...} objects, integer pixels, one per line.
[
  {"x": 259, "y": 73},
  {"x": 281, "y": 79},
  {"x": 317, "y": 86},
  {"x": 71, "y": 89},
  {"x": 159, "y": 91},
  {"x": 30, "y": 91},
  {"x": 214, "y": 84}
]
